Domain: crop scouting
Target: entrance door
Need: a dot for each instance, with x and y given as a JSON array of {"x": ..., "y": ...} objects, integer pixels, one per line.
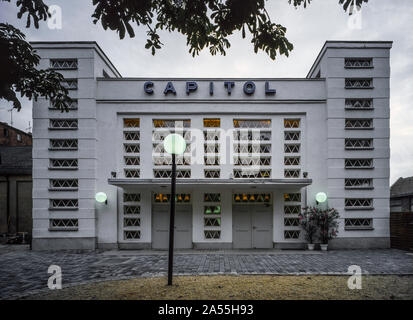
[
  {"x": 252, "y": 226},
  {"x": 160, "y": 226}
]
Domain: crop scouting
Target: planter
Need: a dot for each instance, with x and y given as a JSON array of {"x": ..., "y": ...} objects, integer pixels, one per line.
[
  {"x": 310, "y": 246},
  {"x": 323, "y": 247}
]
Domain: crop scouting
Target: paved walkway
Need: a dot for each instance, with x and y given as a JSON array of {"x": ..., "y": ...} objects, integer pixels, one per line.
[{"x": 24, "y": 272}]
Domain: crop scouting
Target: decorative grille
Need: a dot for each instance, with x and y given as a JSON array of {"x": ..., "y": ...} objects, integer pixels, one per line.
[
  {"x": 212, "y": 123},
  {"x": 166, "y": 198},
  {"x": 70, "y": 84},
  {"x": 292, "y": 197},
  {"x": 132, "y": 148},
  {"x": 171, "y": 123},
  {"x": 212, "y": 234},
  {"x": 63, "y": 124},
  {"x": 291, "y": 123},
  {"x": 63, "y": 163},
  {"x": 211, "y": 161},
  {"x": 252, "y": 173},
  {"x": 358, "y": 203},
  {"x": 131, "y": 222},
  {"x": 64, "y": 184},
  {"x": 251, "y": 123},
  {"x": 358, "y": 63},
  {"x": 131, "y": 123},
  {"x": 291, "y": 161},
  {"x": 167, "y": 160},
  {"x": 132, "y": 173},
  {"x": 291, "y": 173},
  {"x": 358, "y": 224},
  {"x": 73, "y": 105},
  {"x": 212, "y": 197},
  {"x": 131, "y": 197},
  {"x": 131, "y": 209},
  {"x": 212, "y": 222},
  {"x": 63, "y": 64},
  {"x": 252, "y": 161},
  {"x": 212, "y": 173},
  {"x": 291, "y": 222},
  {"x": 252, "y": 198},
  {"x": 292, "y": 148},
  {"x": 132, "y": 161},
  {"x": 63, "y": 144},
  {"x": 131, "y": 135},
  {"x": 132, "y": 234},
  {"x": 291, "y": 234},
  {"x": 167, "y": 173},
  {"x": 358, "y": 183},
  {"x": 64, "y": 224},
  {"x": 292, "y": 209},
  {"x": 359, "y": 104},
  {"x": 358, "y": 163},
  {"x": 291, "y": 135},
  {"x": 64, "y": 204},
  {"x": 358, "y": 144},
  {"x": 359, "y": 83},
  {"x": 359, "y": 124}
]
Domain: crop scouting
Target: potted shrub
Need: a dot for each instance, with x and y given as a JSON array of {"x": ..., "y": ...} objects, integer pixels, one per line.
[
  {"x": 308, "y": 222},
  {"x": 327, "y": 225}
]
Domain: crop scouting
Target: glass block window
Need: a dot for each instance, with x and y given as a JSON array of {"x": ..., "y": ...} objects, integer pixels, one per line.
[
  {"x": 358, "y": 63},
  {"x": 131, "y": 122},
  {"x": 291, "y": 173},
  {"x": 212, "y": 216},
  {"x": 251, "y": 198},
  {"x": 358, "y": 203},
  {"x": 358, "y": 124},
  {"x": 291, "y": 234},
  {"x": 291, "y": 123},
  {"x": 166, "y": 198},
  {"x": 359, "y": 83},
  {"x": 63, "y": 64},
  {"x": 64, "y": 204},
  {"x": 358, "y": 163},
  {"x": 63, "y": 224},
  {"x": 63, "y": 144},
  {"x": 292, "y": 197},
  {"x": 358, "y": 224},
  {"x": 64, "y": 184},
  {"x": 358, "y": 144},
  {"x": 63, "y": 164},
  {"x": 70, "y": 84},
  {"x": 359, "y": 104},
  {"x": 63, "y": 124},
  {"x": 212, "y": 123},
  {"x": 251, "y": 123},
  {"x": 358, "y": 183}
]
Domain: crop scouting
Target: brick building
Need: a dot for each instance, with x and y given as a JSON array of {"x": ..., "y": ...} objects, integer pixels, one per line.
[{"x": 10, "y": 136}]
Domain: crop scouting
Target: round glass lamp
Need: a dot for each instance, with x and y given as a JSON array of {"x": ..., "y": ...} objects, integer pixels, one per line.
[
  {"x": 174, "y": 144},
  {"x": 321, "y": 197},
  {"x": 101, "y": 197}
]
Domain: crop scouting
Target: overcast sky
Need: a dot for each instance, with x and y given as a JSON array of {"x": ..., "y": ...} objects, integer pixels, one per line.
[{"x": 307, "y": 29}]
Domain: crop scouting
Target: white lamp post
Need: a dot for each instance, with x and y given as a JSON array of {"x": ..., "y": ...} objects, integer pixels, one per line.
[{"x": 173, "y": 144}]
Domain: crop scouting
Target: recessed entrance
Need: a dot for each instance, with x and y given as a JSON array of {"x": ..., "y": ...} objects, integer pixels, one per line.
[
  {"x": 183, "y": 223},
  {"x": 252, "y": 226}
]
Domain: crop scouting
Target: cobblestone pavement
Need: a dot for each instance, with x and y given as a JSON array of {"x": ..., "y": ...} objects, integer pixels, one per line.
[{"x": 24, "y": 272}]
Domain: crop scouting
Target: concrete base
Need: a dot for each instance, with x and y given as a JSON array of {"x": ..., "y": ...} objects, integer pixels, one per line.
[
  {"x": 289, "y": 245},
  {"x": 63, "y": 244},
  {"x": 212, "y": 245},
  {"x": 359, "y": 243},
  {"x": 108, "y": 246},
  {"x": 135, "y": 246}
]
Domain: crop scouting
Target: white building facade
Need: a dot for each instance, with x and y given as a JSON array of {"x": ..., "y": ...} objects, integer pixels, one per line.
[{"x": 258, "y": 151}]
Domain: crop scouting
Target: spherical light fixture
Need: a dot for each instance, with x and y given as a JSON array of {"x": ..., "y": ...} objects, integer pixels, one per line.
[
  {"x": 174, "y": 144},
  {"x": 101, "y": 197},
  {"x": 321, "y": 197}
]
